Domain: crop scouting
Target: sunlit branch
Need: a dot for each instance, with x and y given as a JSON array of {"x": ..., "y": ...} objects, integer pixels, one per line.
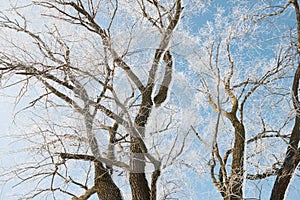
[
  {"x": 63, "y": 96},
  {"x": 110, "y": 114},
  {"x": 260, "y": 136},
  {"x": 43, "y": 47},
  {"x": 93, "y": 158},
  {"x": 201, "y": 139},
  {"x": 91, "y": 24},
  {"x": 164, "y": 87},
  {"x": 172, "y": 159},
  {"x": 129, "y": 71},
  {"x": 150, "y": 19},
  {"x": 164, "y": 43},
  {"x": 282, "y": 9},
  {"x": 269, "y": 172}
]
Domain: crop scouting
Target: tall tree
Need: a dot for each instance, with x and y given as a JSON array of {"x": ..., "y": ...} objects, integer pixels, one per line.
[
  {"x": 90, "y": 82},
  {"x": 232, "y": 83},
  {"x": 292, "y": 157},
  {"x": 113, "y": 90}
]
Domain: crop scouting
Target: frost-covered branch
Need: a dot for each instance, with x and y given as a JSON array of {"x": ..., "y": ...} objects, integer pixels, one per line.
[
  {"x": 278, "y": 12},
  {"x": 93, "y": 158},
  {"x": 165, "y": 85},
  {"x": 163, "y": 46}
]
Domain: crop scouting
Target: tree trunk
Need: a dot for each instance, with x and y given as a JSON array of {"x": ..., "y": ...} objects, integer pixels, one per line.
[
  {"x": 236, "y": 179},
  {"x": 292, "y": 158},
  {"x": 105, "y": 187},
  {"x": 137, "y": 178},
  {"x": 290, "y": 163},
  {"x": 139, "y": 185}
]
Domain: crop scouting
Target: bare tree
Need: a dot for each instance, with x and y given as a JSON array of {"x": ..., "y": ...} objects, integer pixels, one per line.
[
  {"x": 105, "y": 118},
  {"x": 95, "y": 89},
  {"x": 230, "y": 86},
  {"x": 292, "y": 157}
]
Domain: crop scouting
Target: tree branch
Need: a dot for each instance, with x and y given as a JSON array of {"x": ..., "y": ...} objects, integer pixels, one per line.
[
  {"x": 93, "y": 158},
  {"x": 88, "y": 193}
]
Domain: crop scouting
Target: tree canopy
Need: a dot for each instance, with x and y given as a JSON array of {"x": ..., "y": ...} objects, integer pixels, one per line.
[{"x": 148, "y": 99}]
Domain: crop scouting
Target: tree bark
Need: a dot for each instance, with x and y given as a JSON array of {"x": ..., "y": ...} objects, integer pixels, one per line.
[
  {"x": 103, "y": 183},
  {"x": 236, "y": 179},
  {"x": 139, "y": 185},
  {"x": 105, "y": 187},
  {"x": 292, "y": 158}
]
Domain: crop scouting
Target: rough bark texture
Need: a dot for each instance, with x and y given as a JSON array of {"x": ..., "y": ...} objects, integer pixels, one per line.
[
  {"x": 236, "y": 179},
  {"x": 139, "y": 186},
  {"x": 105, "y": 187},
  {"x": 155, "y": 176},
  {"x": 137, "y": 178},
  {"x": 103, "y": 183},
  {"x": 292, "y": 158},
  {"x": 234, "y": 190}
]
